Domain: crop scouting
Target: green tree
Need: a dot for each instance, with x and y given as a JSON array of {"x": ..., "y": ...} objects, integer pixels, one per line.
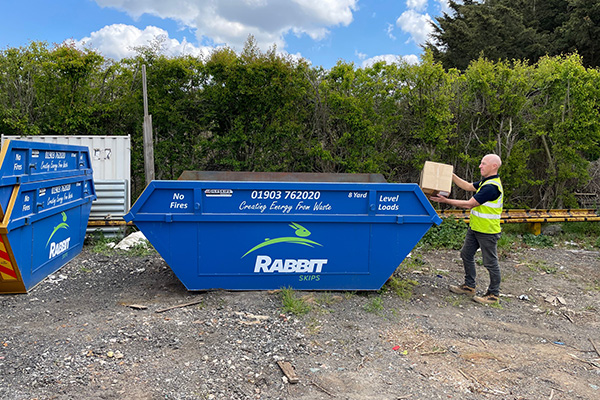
[
  {"x": 516, "y": 29},
  {"x": 349, "y": 137},
  {"x": 490, "y": 118},
  {"x": 68, "y": 88},
  {"x": 581, "y": 31},
  {"x": 494, "y": 29},
  {"x": 57, "y": 91},
  {"x": 564, "y": 128},
  {"x": 255, "y": 108},
  {"x": 20, "y": 69},
  {"x": 426, "y": 94}
]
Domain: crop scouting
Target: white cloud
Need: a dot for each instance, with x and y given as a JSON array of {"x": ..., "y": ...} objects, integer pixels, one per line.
[
  {"x": 444, "y": 5},
  {"x": 231, "y": 21},
  {"x": 390, "y": 31},
  {"x": 361, "y": 56},
  {"x": 118, "y": 41},
  {"x": 418, "y": 5},
  {"x": 391, "y": 59},
  {"x": 411, "y": 59},
  {"x": 417, "y": 25}
]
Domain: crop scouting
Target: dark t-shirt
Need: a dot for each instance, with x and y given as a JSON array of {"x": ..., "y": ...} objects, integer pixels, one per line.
[{"x": 488, "y": 192}]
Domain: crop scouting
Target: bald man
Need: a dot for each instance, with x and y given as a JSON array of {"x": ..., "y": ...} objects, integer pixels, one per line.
[{"x": 484, "y": 228}]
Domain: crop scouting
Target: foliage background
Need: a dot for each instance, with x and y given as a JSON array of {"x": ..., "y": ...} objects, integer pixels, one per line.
[{"x": 260, "y": 111}]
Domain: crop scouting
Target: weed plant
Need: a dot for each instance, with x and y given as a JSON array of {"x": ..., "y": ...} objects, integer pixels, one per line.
[
  {"x": 375, "y": 305},
  {"x": 100, "y": 243},
  {"x": 403, "y": 288},
  {"x": 541, "y": 266},
  {"x": 141, "y": 249},
  {"x": 450, "y": 234},
  {"x": 538, "y": 241},
  {"x": 292, "y": 303},
  {"x": 412, "y": 263},
  {"x": 594, "y": 286}
]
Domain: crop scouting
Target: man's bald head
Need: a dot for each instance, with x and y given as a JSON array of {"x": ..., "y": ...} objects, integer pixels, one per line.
[{"x": 489, "y": 165}]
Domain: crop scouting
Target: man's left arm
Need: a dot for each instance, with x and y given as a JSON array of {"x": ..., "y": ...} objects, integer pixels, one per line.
[{"x": 468, "y": 204}]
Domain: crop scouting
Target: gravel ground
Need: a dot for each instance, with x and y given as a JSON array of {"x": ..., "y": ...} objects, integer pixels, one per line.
[{"x": 98, "y": 329}]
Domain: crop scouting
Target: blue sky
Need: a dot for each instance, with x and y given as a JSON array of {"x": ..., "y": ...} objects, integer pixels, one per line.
[{"x": 321, "y": 31}]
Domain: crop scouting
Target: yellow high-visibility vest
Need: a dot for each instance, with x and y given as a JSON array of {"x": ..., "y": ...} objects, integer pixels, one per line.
[{"x": 485, "y": 218}]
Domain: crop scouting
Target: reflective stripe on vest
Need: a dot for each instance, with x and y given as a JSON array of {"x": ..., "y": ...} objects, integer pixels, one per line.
[{"x": 485, "y": 218}]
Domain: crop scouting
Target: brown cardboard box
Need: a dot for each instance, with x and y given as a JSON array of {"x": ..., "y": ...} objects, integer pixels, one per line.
[{"x": 436, "y": 179}]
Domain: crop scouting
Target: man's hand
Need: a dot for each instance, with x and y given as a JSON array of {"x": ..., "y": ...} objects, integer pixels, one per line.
[{"x": 439, "y": 199}]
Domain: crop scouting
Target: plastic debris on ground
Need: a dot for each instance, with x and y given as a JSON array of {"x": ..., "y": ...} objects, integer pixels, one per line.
[{"x": 136, "y": 238}]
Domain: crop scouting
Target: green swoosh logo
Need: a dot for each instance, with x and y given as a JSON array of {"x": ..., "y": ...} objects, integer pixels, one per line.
[
  {"x": 291, "y": 239},
  {"x": 299, "y": 231},
  {"x": 62, "y": 225}
]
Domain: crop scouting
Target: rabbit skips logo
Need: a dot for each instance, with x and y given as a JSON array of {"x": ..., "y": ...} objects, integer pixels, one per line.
[
  {"x": 57, "y": 248},
  {"x": 267, "y": 264}
]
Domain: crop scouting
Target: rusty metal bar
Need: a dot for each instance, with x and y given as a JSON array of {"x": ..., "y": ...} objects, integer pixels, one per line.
[{"x": 108, "y": 222}]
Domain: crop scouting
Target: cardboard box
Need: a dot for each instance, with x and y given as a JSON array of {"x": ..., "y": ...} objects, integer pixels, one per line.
[{"x": 436, "y": 179}]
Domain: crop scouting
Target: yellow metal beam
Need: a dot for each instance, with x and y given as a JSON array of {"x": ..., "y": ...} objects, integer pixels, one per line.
[{"x": 533, "y": 217}]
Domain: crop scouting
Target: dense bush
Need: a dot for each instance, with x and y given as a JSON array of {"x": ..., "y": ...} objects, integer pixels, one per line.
[
  {"x": 258, "y": 111},
  {"x": 449, "y": 234}
]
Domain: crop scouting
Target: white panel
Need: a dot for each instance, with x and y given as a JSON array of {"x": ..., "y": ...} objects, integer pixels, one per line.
[{"x": 110, "y": 155}]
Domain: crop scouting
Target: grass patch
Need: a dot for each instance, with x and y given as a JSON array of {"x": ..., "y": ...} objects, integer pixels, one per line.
[
  {"x": 413, "y": 263},
  {"x": 349, "y": 295},
  {"x": 141, "y": 249},
  {"x": 456, "y": 301},
  {"x": 595, "y": 286},
  {"x": 402, "y": 288},
  {"x": 101, "y": 244},
  {"x": 313, "y": 327},
  {"x": 508, "y": 243},
  {"x": 292, "y": 303},
  {"x": 541, "y": 266},
  {"x": 581, "y": 229},
  {"x": 375, "y": 305},
  {"x": 538, "y": 241},
  {"x": 328, "y": 299}
]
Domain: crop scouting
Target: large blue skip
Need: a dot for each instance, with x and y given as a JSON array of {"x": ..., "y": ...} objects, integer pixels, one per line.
[
  {"x": 46, "y": 193},
  {"x": 267, "y": 235}
]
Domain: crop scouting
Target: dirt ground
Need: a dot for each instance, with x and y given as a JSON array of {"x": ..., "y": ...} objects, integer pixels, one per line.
[{"x": 93, "y": 331}]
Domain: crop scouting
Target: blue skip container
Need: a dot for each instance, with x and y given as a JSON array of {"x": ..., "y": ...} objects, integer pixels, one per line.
[
  {"x": 266, "y": 235},
  {"x": 46, "y": 193}
]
